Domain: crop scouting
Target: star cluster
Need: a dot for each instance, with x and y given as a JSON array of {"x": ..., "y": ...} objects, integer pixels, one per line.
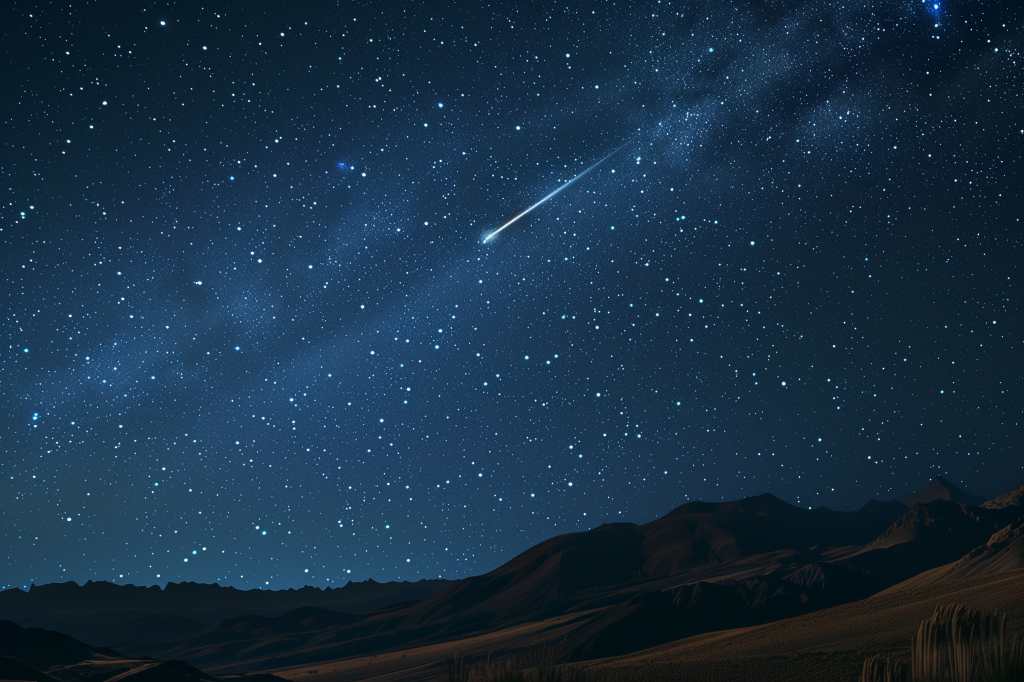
[{"x": 250, "y": 333}]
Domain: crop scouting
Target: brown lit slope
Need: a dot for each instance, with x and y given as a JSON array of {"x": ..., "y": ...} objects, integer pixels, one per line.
[
  {"x": 825, "y": 645},
  {"x": 828, "y": 644},
  {"x": 1012, "y": 499}
]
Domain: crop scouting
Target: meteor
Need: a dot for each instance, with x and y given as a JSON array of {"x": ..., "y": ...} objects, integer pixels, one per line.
[{"x": 555, "y": 192}]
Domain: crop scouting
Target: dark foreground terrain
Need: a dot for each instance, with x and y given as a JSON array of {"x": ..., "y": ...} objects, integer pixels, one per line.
[{"x": 752, "y": 589}]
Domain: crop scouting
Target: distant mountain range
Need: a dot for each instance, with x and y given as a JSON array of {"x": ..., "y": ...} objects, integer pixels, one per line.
[
  {"x": 611, "y": 591},
  {"x": 132, "y": 618}
]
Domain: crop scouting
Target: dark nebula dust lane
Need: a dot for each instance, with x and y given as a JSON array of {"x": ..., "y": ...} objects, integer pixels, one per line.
[{"x": 250, "y": 333}]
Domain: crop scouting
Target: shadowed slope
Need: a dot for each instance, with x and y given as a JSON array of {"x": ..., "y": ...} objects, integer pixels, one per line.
[
  {"x": 42, "y": 648},
  {"x": 142, "y": 620},
  {"x": 13, "y": 669}
]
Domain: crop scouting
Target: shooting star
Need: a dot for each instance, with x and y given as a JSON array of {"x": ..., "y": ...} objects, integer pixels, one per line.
[{"x": 558, "y": 190}]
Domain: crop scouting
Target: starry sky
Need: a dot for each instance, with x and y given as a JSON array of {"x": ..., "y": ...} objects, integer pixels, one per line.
[{"x": 251, "y": 331}]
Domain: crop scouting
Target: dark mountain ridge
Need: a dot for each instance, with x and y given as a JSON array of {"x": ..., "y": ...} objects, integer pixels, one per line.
[
  {"x": 563, "y": 571},
  {"x": 940, "y": 488},
  {"x": 141, "y": 620},
  {"x": 702, "y": 566}
]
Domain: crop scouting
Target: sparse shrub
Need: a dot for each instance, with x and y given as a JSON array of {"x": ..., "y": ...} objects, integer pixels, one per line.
[
  {"x": 532, "y": 665},
  {"x": 458, "y": 671},
  {"x": 884, "y": 669},
  {"x": 960, "y": 644}
]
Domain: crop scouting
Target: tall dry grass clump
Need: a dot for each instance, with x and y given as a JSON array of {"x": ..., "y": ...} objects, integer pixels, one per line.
[
  {"x": 960, "y": 644},
  {"x": 884, "y": 669},
  {"x": 458, "y": 671},
  {"x": 533, "y": 665}
]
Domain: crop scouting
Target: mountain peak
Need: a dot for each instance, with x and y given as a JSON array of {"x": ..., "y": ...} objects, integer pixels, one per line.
[
  {"x": 1014, "y": 498},
  {"x": 940, "y": 488},
  {"x": 763, "y": 502}
]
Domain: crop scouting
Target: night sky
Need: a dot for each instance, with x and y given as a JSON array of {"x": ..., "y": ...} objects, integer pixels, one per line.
[{"x": 252, "y": 333}]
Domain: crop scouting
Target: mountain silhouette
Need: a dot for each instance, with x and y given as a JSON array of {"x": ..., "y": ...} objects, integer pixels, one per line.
[
  {"x": 940, "y": 488},
  {"x": 610, "y": 591}
]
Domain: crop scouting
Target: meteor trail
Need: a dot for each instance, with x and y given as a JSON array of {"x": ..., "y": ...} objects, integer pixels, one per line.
[{"x": 496, "y": 231}]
